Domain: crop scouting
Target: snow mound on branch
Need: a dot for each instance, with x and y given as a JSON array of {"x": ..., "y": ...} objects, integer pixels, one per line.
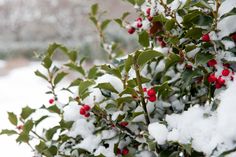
[
  {"x": 159, "y": 132},
  {"x": 226, "y": 25},
  {"x": 206, "y": 130}
]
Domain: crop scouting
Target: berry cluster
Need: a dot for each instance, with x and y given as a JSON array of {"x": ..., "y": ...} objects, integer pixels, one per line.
[
  {"x": 219, "y": 79},
  {"x": 151, "y": 93},
  {"x": 84, "y": 110},
  {"x": 138, "y": 24},
  {"x": 123, "y": 152}
]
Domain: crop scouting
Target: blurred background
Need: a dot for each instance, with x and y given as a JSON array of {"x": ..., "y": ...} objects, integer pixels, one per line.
[{"x": 29, "y": 26}]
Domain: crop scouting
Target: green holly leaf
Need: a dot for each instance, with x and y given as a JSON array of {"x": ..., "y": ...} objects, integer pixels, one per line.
[
  {"x": 107, "y": 86},
  {"x": 8, "y": 132},
  {"x": 59, "y": 77},
  {"x": 26, "y": 112},
  {"x": 144, "y": 39},
  {"x": 12, "y": 118},
  {"x": 147, "y": 56}
]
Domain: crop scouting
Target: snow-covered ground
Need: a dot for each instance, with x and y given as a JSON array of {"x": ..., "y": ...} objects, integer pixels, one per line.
[{"x": 19, "y": 88}]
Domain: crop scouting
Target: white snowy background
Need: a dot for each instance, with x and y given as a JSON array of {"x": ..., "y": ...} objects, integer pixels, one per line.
[{"x": 20, "y": 87}]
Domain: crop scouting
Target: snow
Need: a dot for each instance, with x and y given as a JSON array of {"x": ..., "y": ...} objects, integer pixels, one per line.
[
  {"x": 18, "y": 89},
  {"x": 71, "y": 112},
  {"x": 226, "y": 26},
  {"x": 159, "y": 132},
  {"x": 226, "y": 6},
  {"x": 203, "y": 128}
]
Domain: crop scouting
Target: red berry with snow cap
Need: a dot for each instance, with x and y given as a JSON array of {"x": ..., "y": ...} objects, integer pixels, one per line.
[
  {"x": 131, "y": 30},
  {"x": 151, "y": 92},
  {"x": 212, "y": 63},
  {"x": 125, "y": 151},
  {"x": 206, "y": 38},
  {"x": 225, "y": 72},
  {"x": 51, "y": 101}
]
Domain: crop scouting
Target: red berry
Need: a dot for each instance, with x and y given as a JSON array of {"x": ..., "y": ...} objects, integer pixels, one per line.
[
  {"x": 225, "y": 72},
  {"x": 51, "y": 101},
  {"x": 227, "y": 65},
  {"x": 139, "y": 25},
  {"x": 87, "y": 115},
  {"x": 159, "y": 39},
  {"x": 82, "y": 111},
  {"x": 163, "y": 44},
  {"x": 188, "y": 66},
  {"x": 144, "y": 89},
  {"x": 152, "y": 98},
  {"x": 231, "y": 78},
  {"x": 131, "y": 30},
  {"x": 199, "y": 79},
  {"x": 124, "y": 124},
  {"x": 151, "y": 92},
  {"x": 125, "y": 151},
  {"x": 118, "y": 151},
  {"x": 212, "y": 63},
  {"x": 217, "y": 85},
  {"x": 148, "y": 11},
  {"x": 139, "y": 19},
  {"x": 86, "y": 107},
  {"x": 206, "y": 38},
  {"x": 220, "y": 81},
  {"x": 150, "y": 18},
  {"x": 20, "y": 127},
  {"x": 233, "y": 36},
  {"x": 211, "y": 78}
]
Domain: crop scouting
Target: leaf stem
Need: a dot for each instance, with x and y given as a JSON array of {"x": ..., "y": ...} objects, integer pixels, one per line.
[{"x": 139, "y": 82}]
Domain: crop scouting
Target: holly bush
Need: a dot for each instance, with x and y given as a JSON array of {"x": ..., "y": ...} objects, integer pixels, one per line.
[{"x": 185, "y": 59}]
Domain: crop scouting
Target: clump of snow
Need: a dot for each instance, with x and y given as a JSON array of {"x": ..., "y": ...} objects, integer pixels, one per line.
[
  {"x": 226, "y": 26},
  {"x": 145, "y": 154},
  {"x": 71, "y": 112},
  {"x": 228, "y": 44},
  {"x": 226, "y": 6},
  {"x": 114, "y": 81},
  {"x": 158, "y": 131},
  {"x": 89, "y": 143},
  {"x": 211, "y": 132},
  {"x": 82, "y": 127}
]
